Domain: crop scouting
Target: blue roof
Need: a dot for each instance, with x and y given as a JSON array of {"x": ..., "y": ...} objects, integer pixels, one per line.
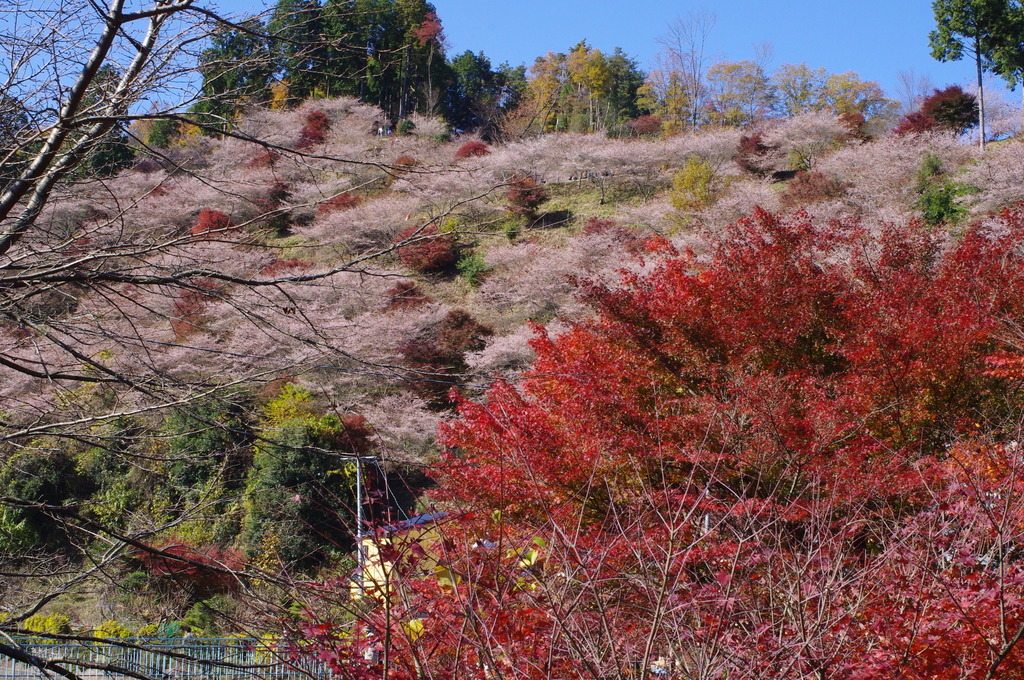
[{"x": 413, "y": 522}]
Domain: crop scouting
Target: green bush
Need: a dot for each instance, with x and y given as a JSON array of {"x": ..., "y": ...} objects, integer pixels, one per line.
[
  {"x": 300, "y": 497},
  {"x": 937, "y": 194},
  {"x": 170, "y": 629},
  {"x": 930, "y": 168},
  {"x": 120, "y": 488},
  {"x": 512, "y": 229},
  {"x": 472, "y": 268},
  {"x": 135, "y": 582},
  {"x": 206, "y": 616},
  {"x": 113, "y": 154},
  {"x": 163, "y": 133},
  {"x": 16, "y": 534},
  {"x": 44, "y": 472},
  {"x": 209, "y": 443}
]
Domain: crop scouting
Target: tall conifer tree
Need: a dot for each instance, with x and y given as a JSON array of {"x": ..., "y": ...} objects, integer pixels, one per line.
[{"x": 975, "y": 28}]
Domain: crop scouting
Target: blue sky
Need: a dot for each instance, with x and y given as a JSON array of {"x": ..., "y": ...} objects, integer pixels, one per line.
[{"x": 875, "y": 38}]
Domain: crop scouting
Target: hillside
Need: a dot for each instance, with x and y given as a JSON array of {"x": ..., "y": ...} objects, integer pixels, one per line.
[{"x": 353, "y": 284}]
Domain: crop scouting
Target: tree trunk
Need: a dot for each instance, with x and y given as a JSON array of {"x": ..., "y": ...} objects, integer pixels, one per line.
[
  {"x": 403, "y": 105},
  {"x": 981, "y": 93}
]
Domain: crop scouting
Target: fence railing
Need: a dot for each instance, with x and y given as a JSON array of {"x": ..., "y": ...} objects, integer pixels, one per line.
[{"x": 164, "y": 659}]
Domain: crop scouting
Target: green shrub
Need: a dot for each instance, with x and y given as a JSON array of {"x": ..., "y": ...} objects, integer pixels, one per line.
[
  {"x": 472, "y": 268},
  {"x": 170, "y": 629},
  {"x": 135, "y": 582},
  {"x": 47, "y": 473},
  {"x": 110, "y": 156},
  {"x": 930, "y": 168},
  {"x": 208, "y": 444},
  {"x": 512, "y": 229},
  {"x": 300, "y": 497},
  {"x": 205, "y": 616},
  {"x": 937, "y": 194},
  {"x": 150, "y": 630},
  {"x": 797, "y": 160},
  {"x": 938, "y": 203},
  {"x": 163, "y": 133},
  {"x": 16, "y": 534},
  {"x": 292, "y": 401}
]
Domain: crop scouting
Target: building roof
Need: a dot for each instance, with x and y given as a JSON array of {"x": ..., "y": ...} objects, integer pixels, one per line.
[{"x": 413, "y": 522}]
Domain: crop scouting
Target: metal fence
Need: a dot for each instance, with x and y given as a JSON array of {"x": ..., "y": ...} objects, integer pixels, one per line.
[{"x": 165, "y": 659}]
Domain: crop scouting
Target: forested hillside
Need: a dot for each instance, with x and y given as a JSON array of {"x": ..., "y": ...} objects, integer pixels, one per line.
[{"x": 704, "y": 374}]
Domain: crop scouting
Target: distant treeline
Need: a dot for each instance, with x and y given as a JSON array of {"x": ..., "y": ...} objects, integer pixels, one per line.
[{"x": 388, "y": 53}]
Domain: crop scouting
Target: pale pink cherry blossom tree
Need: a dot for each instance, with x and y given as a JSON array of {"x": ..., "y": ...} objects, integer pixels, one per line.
[
  {"x": 994, "y": 174},
  {"x": 807, "y": 137}
]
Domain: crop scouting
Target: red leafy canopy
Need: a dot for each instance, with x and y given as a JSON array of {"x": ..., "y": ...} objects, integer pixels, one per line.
[
  {"x": 211, "y": 220},
  {"x": 793, "y": 411},
  {"x": 952, "y": 108},
  {"x": 315, "y": 129},
  {"x": 438, "y": 357},
  {"x": 426, "y": 249},
  {"x": 202, "y": 568},
  {"x": 949, "y": 109},
  {"x": 913, "y": 123},
  {"x": 524, "y": 195},
  {"x": 343, "y": 201},
  {"x": 406, "y": 295},
  {"x": 187, "y": 311},
  {"x": 429, "y": 30},
  {"x": 472, "y": 149},
  {"x": 794, "y": 455}
]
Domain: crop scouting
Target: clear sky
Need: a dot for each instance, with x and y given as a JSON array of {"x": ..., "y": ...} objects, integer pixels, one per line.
[{"x": 875, "y": 38}]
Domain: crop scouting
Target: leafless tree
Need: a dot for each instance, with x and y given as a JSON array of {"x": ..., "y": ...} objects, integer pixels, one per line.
[
  {"x": 685, "y": 54},
  {"x": 911, "y": 88}
]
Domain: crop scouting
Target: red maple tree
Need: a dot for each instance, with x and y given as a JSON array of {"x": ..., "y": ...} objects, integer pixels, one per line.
[{"x": 792, "y": 455}]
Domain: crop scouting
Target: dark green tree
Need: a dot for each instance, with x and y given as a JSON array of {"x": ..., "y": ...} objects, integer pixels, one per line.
[
  {"x": 977, "y": 29},
  {"x": 398, "y": 69},
  {"x": 478, "y": 96},
  {"x": 626, "y": 81},
  {"x": 111, "y": 155},
  {"x": 43, "y": 475},
  {"x": 512, "y": 81},
  {"x": 14, "y": 125},
  {"x": 345, "y": 39},
  {"x": 297, "y": 36},
  {"x": 113, "y": 151},
  {"x": 237, "y": 69},
  {"x": 209, "y": 446},
  {"x": 473, "y": 91},
  {"x": 301, "y": 493},
  {"x": 162, "y": 133},
  {"x": 1008, "y": 56}
]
